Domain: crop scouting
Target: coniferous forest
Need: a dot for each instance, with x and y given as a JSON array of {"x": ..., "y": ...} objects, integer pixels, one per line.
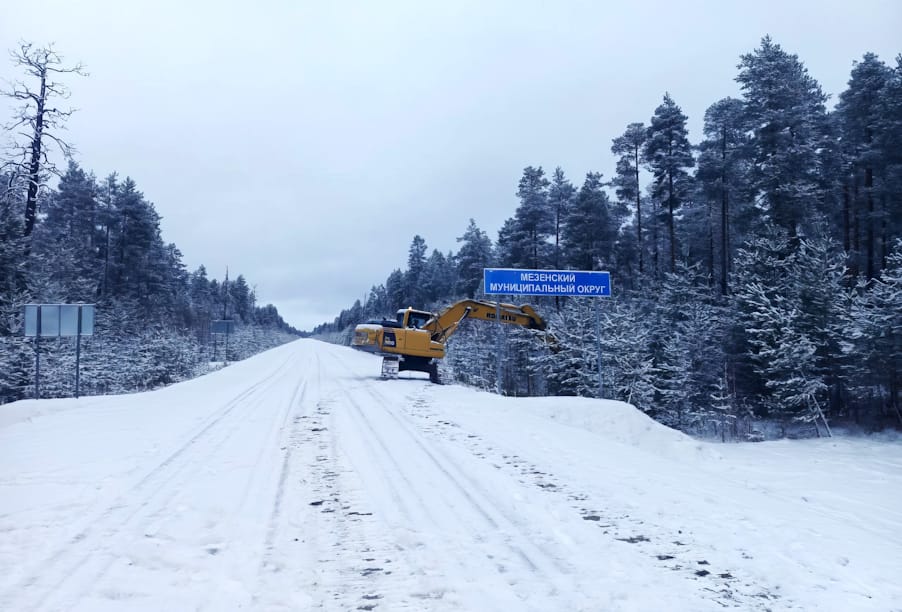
[
  {"x": 757, "y": 274},
  {"x": 98, "y": 241}
]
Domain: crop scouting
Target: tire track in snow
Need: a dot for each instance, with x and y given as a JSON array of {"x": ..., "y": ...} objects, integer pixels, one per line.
[
  {"x": 278, "y": 569},
  {"x": 675, "y": 550},
  {"x": 371, "y": 584},
  {"x": 276, "y": 439},
  {"x": 423, "y": 585},
  {"x": 492, "y": 532},
  {"x": 503, "y": 521},
  {"x": 289, "y": 446},
  {"x": 147, "y": 499}
]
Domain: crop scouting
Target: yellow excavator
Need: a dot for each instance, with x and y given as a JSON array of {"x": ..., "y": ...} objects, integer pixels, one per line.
[{"x": 415, "y": 340}]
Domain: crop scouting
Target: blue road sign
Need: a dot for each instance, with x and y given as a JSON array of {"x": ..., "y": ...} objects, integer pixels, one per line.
[{"x": 583, "y": 283}]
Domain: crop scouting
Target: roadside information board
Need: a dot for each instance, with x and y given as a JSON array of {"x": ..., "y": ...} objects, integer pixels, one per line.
[
  {"x": 577, "y": 283},
  {"x": 55, "y": 321},
  {"x": 58, "y": 320}
]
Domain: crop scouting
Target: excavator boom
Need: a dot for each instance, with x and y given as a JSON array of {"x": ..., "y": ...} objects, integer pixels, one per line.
[{"x": 444, "y": 324}]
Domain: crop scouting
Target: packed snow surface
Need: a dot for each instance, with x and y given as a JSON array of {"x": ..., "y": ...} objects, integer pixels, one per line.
[{"x": 298, "y": 480}]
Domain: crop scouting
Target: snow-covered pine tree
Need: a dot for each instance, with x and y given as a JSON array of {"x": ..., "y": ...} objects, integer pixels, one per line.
[
  {"x": 414, "y": 294},
  {"x": 785, "y": 108},
  {"x": 789, "y": 314},
  {"x": 723, "y": 408},
  {"x": 873, "y": 343},
  {"x": 474, "y": 255},
  {"x": 16, "y": 352},
  {"x": 861, "y": 121},
  {"x": 890, "y": 137},
  {"x": 688, "y": 335},
  {"x": 438, "y": 279},
  {"x": 723, "y": 166},
  {"x": 472, "y": 355},
  {"x": 672, "y": 369},
  {"x": 627, "y": 358},
  {"x": 525, "y": 374},
  {"x": 67, "y": 239},
  {"x": 630, "y": 146},
  {"x": 242, "y": 299},
  {"x": 818, "y": 277},
  {"x": 395, "y": 292},
  {"x": 669, "y": 155},
  {"x": 560, "y": 199},
  {"x": 590, "y": 233},
  {"x": 571, "y": 367},
  {"x": 523, "y": 240}
]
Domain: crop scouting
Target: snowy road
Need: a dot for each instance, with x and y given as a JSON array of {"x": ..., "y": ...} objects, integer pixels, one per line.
[{"x": 298, "y": 480}]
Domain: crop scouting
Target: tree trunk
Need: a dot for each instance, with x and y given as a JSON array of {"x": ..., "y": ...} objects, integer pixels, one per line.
[
  {"x": 34, "y": 166},
  {"x": 883, "y": 230},
  {"x": 102, "y": 290},
  {"x": 856, "y": 228},
  {"x": 710, "y": 244},
  {"x": 724, "y": 206},
  {"x": 535, "y": 250},
  {"x": 868, "y": 186},
  {"x": 846, "y": 220},
  {"x": 654, "y": 235},
  {"x": 638, "y": 211},
  {"x": 670, "y": 223}
]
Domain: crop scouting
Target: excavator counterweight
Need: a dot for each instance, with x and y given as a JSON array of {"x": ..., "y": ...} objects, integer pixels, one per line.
[{"x": 416, "y": 339}]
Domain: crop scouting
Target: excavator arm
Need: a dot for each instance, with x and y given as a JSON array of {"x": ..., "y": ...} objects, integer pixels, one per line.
[{"x": 443, "y": 325}]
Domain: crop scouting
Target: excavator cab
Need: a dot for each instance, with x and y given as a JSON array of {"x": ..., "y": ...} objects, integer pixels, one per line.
[{"x": 415, "y": 318}]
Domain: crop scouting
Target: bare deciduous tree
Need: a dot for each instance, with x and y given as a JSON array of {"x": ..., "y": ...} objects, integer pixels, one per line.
[{"x": 37, "y": 120}]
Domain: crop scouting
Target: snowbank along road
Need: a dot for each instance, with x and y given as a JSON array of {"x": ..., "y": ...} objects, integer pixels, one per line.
[{"x": 298, "y": 480}]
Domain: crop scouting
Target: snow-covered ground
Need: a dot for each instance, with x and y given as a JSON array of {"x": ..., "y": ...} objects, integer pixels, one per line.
[{"x": 298, "y": 480}]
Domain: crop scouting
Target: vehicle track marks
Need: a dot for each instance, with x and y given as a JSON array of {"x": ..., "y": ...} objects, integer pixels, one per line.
[
  {"x": 464, "y": 516},
  {"x": 496, "y": 515},
  {"x": 678, "y": 552},
  {"x": 84, "y": 557}
]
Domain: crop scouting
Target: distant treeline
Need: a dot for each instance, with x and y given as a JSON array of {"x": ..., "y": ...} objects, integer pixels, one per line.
[{"x": 99, "y": 242}]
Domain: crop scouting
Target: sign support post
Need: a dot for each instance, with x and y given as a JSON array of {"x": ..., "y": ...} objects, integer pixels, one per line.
[
  {"x": 37, "y": 358},
  {"x": 498, "y": 383},
  {"x": 598, "y": 339},
  {"x": 78, "y": 355}
]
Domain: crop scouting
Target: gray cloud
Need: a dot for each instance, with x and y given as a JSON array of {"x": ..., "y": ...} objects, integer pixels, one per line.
[{"x": 291, "y": 141}]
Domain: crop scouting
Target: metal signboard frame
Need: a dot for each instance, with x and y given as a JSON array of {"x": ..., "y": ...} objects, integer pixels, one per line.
[
  {"x": 58, "y": 321},
  {"x": 571, "y": 283}
]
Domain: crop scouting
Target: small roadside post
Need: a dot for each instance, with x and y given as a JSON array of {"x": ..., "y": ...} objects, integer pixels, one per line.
[{"x": 552, "y": 283}]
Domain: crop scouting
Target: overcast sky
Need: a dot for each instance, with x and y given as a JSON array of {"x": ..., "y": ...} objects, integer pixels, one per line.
[{"x": 304, "y": 144}]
